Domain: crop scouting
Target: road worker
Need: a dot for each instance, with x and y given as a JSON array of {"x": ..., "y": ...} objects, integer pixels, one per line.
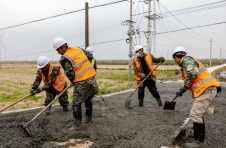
[
  {"x": 203, "y": 86},
  {"x": 77, "y": 65},
  {"x": 142, "y": 66},
  {"x": 54, "y": 83},
  {"x": 93, "y": 62}
]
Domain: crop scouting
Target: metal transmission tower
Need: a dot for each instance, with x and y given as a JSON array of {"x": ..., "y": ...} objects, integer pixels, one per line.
[
  {"x": 210, "y": 50},
  {"x": 154, "y": 18},
  {"x": 130, "y": 33},
  {"x": 150, "y": 19}
]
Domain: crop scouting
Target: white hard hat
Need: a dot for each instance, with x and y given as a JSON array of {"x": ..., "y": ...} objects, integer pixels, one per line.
[
  {"x": 90, "y": 49},
  {"x": 179, "y": 49},
  {"x": 137, "y": 47},
  {"x": 42, "y": 61},
  {"x": 58, "y": 42}
]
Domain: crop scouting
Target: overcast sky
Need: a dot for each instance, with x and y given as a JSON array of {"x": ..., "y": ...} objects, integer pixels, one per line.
[{"x": 105, "y": 25}]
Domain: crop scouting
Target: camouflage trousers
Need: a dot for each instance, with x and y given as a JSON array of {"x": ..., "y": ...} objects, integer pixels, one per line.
[
  {"x": 84, "y": 89},
  {"x": 51, "y": 94}
]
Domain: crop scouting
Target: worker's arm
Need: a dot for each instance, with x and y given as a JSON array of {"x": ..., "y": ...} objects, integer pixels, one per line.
[
  {"x": 155, "y": 60},
  {"x": 67, "y": 68},
  {"x": 191, "y": 67},
  {"x": 52, "y": 79},
  {"x": 137, "y": 72},
  {"x": 37, "y": 81},
  {"x": 95, "y": 65},
  {"x": 88, "y": 54}
]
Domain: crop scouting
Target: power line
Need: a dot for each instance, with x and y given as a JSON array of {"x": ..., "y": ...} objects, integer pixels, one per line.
[
  {"x": 122, "y": 39},
  {"x": 62, "y": 14},
  {"x": 178, "y": 27},
  {"x": 30, "y": 54},
  {"x": 196, "y": 10},
  {"x": 192, "y": 28},
  {"x": 181, "y": 21}
]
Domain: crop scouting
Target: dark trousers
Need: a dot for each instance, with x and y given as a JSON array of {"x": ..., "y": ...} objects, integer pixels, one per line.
[{"x": 151, "y": 87}]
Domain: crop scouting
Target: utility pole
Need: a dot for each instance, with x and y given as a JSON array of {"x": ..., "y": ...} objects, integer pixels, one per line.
[
  {"x": 154, "y": 29},
  {"x": 149, "y": 29},
  {"x": 210, "y": 50},
  {"x": 130, "y": 40},
  {"x": 221, "y": 55},
  {"x": 86, "y": 25}
]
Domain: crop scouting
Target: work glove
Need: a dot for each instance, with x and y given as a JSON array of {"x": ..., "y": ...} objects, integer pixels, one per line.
[
  {"x": 148, "y": 78},
  {"x": 162, "y": 60},
  {"x": 33, "y": 92},
  {"x": 181, "y": 91},
  {"x": 71, "y": 84}
]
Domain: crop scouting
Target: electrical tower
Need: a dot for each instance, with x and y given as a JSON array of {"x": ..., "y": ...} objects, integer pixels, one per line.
[{"x": 130, "y": 33}]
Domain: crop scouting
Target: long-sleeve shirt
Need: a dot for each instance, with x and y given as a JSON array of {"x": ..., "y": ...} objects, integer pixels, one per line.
[
  {"x": 141, "y": 73},
  {"x": 68, "y": 67},
  {"x": 191, "y": 66},
  {"x": 49, "y": 81}
]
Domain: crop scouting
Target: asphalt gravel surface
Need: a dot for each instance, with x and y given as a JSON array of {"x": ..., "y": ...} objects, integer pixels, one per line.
[{"x": 116, "y": 127}]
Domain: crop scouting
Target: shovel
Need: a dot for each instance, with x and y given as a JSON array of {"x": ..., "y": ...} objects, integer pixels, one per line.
[
  {"x": 102, "y": 99},
  {"x": 170, "y": 105},
  {"x": 127, "y": 103},
  {"x": 17, "y": 101},
  {"x": 24, "y": 125}
]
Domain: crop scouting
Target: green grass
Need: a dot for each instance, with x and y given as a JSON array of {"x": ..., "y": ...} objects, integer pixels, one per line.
[
  {"x": 16, "y": 96},
  {"x": 26, "y": 107}
]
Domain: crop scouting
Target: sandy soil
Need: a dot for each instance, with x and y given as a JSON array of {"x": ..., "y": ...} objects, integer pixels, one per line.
[
  {"x": 115, "y": 127},
  {"x": 161, "y": 67}
]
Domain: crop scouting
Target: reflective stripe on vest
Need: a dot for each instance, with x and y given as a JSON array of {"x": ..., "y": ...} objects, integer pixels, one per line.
[
  {"x": 84, "y": 69},
  {"x": 59, "y": 82},
  {"x": 202, "y": 81},
  {"x": 149, "y": 62}
]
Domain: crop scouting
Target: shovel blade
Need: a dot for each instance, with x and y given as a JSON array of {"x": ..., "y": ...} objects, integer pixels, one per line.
[
  {"x": 127, "y": 103},
  {"x": 169, "y": 105},
  {"x": 24, "y": 126}
]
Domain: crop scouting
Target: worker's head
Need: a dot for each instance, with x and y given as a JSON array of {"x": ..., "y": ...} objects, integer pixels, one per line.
[
  {"x": 43, "y": 63},
  {"x": 60, "y": 45},
  {"x": 178, "y": 54},
  {"x": 90, "y": 49},
  {"x": 138, "y": 50}
]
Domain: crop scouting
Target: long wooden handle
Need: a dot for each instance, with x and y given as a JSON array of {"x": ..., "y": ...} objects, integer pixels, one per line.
[
  {"x": 175, "y": 96},
  {"x": 16, "y": 102},
  {"x": 145, "y": 78},
  {"x": 48, "y": 105}
]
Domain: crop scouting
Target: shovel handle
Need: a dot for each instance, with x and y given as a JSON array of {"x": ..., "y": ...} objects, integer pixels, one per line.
[
  {"x": 15, "y": 102},
  {"x": 175, "y": 97},
  {"x": 146, "y": 78},
  {"x": 48, "y": 105}
]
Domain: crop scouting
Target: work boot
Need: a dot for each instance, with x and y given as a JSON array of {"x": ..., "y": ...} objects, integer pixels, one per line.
[
  {"x": 89, "y": 111},
  {"x": 76, "y": 125},
  {"x": 159, "y": 101},
  {"x": 199, "y": 135},
  {"x": 141, "y": 102},
  {"x": 65, "y": 108},
  {"x": 48, "y": 110}
]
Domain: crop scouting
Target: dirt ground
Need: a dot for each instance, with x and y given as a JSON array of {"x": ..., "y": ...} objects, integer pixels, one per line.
[
  {"x": 115, "y": 127},
  {"x": 161, "y": 67}
]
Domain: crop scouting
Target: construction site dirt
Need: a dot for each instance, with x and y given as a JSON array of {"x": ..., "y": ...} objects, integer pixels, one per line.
[{"x": 116, "y": 127}]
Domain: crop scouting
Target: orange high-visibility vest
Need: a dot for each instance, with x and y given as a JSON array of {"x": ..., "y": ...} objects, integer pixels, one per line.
[
  {"x": 202, "y": 81},
  {"x": 60, "y": 81},
  {"x": 81, "y": 65},
  {"x": 149, "y": 62}
]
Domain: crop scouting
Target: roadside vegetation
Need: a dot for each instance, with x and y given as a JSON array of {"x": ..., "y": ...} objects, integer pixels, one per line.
[
  {"x": 216, "y": 74},
  {"x": 17, "y": 79}
]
